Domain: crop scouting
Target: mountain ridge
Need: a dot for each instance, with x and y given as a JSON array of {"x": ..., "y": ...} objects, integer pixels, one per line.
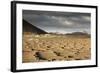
[{"x": 29, "y": 28}]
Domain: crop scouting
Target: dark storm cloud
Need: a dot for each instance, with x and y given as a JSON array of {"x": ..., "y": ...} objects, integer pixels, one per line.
[{"x": 54, "y": 20}]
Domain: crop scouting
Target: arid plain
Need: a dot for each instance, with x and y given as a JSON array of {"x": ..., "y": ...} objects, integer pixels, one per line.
[{"x": 47, "y": 47}]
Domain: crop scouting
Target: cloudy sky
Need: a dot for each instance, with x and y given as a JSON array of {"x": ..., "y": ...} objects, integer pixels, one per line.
[{"x": 62, "y": 22}]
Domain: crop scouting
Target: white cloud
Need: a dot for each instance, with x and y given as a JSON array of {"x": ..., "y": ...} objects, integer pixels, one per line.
[{"x": 86, "y": 18}]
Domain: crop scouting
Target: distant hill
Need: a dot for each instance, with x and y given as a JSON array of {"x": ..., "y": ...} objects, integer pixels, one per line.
[
  {"x": 79, "y": 34},
  {"x": 29, "y": 28}
]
